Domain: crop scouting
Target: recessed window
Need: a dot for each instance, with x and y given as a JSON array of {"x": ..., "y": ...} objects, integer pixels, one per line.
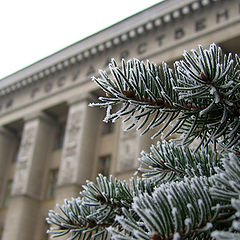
[
  {"x": 52, "y": 182},
  {"x": 59, "y": 136},
  {"x": 16, "y": 154},
  {"x": 107, "y": 128},
  {"x": 104, "y": 164}
]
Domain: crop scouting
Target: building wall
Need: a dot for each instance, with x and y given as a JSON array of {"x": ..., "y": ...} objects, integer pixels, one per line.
[{"x": 51, "y": 141}]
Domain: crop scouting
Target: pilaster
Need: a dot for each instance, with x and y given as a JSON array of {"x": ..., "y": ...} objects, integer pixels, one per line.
[
  {"x": 79, "y": 145},
  {"x": 129, "y": 148},
  {"x": 8, "y": 145}
]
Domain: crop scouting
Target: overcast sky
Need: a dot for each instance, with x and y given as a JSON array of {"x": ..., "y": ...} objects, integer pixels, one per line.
[{"x": 33, "y": 29}]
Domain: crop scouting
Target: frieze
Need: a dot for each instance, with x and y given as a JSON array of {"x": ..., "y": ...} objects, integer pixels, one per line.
[
  {"x": 52, "y": 84},
  {"x": 141, "y": 47}
]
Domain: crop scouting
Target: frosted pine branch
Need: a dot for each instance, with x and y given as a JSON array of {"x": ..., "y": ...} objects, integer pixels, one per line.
[
  {"x": 174, "y": 211},
  {"x": 200, "y": 95},
  {"x": 183, "y": 194},
  {"x": 168, "y": 162},
  {"x": 89, "y": 216}
]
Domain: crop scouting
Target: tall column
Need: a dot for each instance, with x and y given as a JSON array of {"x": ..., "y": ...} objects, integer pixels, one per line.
[
  {"x": 8, "y": 145},
  {"x": 37, "y": 139},
  {"x": 129, "y": 148},
  {"x": 78, "y": 148}
]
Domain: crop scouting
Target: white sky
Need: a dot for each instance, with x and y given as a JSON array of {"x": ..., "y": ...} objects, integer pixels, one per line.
[{"x": 33, "y": 29}]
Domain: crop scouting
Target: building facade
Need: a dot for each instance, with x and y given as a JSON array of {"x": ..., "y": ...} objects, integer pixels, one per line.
[{"x": 51, "y": 141}]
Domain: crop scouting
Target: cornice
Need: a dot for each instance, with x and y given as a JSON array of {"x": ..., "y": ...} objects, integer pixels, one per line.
[{"x": 130, "y": 28}]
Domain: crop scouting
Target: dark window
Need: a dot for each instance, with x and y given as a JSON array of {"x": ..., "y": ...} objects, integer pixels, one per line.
[
  {"x": 52, "y": 182},
  {"x": 15, "y": 158},
  {"x": 107, "y": 128},
  {"x": 16, "y": 154},
  {"x": 104, "y": 164},
  {"x": 59, "y": 137}
]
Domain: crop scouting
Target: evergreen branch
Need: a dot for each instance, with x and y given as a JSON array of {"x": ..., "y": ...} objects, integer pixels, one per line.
[
  {"x": 167, "y": 162},
  {"x": 226, "y": 183},
  {"x": 183, "y": 194},
  {"x": 234, "y": 232},
  {"x": 211, "y": 80},
  {"x": 76, "y": 221},
  {"x": 226, "y": 191},
  {"x": 201, "y": 94},
  {"x": 174, "y": 211},
  {"x": 89, "y": 216}
]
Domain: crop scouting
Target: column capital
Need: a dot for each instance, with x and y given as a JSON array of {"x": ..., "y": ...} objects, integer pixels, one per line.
[{"x": 81, "y": 98}]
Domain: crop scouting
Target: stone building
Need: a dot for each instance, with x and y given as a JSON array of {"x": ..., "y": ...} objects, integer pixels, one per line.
[{"x": 51, "y": 141}]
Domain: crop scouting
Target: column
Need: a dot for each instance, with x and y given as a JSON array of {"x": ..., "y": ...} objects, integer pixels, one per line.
[
  {"x": 23, "y": 212},
  {"x": 129, "y": 148},
  {"x": 78, "y": 148},
  {"x": 8, "y": 145}
]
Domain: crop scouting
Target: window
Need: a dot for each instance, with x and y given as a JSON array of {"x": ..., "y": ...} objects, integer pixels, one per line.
[
  {"x": 8, "y": 193},
  {"x": 104, "y": 165},
  {"x": 16, "y": 154},
  {"x": 52, "y": 182},
  {"x": 60, "y": 136},
  {"x": 107, "y": 128}
]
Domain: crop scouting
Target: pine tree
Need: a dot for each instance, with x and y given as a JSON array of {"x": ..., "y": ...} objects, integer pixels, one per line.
[{"x": 184, "y": 192}]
